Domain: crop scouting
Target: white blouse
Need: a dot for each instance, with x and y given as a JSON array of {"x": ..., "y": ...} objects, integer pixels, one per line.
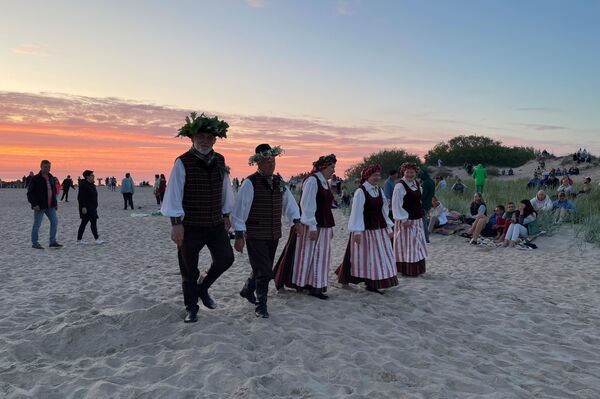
[
  {"x": 356, "y": 223},
  {"x": 308, "y": 201},
  {"x": 398, "y": 199}
]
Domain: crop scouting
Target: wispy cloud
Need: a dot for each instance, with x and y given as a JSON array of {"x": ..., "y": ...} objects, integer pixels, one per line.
[
  {"x": 256, "y": 3},
  {"x": 30, "y": 49},
  {"x": 538, "y": 109},
  {"x": 540, "y": 127}
]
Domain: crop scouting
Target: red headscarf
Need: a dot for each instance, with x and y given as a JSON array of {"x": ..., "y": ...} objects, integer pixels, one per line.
[{"x": 368, "y": 172}]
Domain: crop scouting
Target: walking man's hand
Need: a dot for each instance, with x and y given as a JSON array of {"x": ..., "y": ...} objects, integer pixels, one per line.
[{"x": 177, "y": 234}]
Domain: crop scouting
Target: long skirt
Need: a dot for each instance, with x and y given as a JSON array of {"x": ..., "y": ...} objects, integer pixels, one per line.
[
  {"x": 371, "y": 262},
  {"x": 305, "y": 263},
  {"x": 410, "y": 248}
]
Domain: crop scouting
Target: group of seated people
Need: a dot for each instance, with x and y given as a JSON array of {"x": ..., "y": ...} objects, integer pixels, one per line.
[
  {"x": 507, "y": 224},
  {"x": 582, "y": 156}
]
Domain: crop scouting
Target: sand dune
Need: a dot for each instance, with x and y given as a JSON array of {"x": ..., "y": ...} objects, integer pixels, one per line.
[{"x": 106, "y": 321}]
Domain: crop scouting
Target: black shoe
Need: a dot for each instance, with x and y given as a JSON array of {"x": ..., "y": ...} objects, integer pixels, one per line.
[
  {"x": 319, "y": 295},
  {"x": 55, "y": 245},
  {"x": 261, "y": 311},
  {"x": 191, "y": 316},
  {"x": 37, "y": 246},
  {"x": 206, "y": 299},
  {"x": 370, "y": 289},
  {"x": 245, "y": 293}
]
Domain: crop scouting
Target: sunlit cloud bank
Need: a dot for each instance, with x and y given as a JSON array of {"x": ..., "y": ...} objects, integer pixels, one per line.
[{"x": 112, "y": 136}]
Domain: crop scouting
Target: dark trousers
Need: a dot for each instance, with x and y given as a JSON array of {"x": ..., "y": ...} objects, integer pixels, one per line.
[
  {"x": 158, "y": 200},
  {"x": 84, "y": 222},
  {"x": 127, "y": 200},
  {"x": 262, "y": 256},
  {"x": 65, "y": 195},
  {"x": 194, "y": 239}
]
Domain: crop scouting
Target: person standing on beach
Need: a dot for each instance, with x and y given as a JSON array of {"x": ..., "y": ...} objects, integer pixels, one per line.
[
  {"x": 409, "y": 238},
  {"x": 127, "y": 190},
  {"x": 306, "y": 259},
  {"x": 256, "y": 219},
  {"x": 156, "y": 188},
  {"x": 199, "y": 199},
  {"x": 41, "y": 194},
  {"x": 479, "y": 174},
  {"x": 428, "y": 192},
  {"x": 67, "y": 184},
  {"x": 369, "y": 256},
  {"x": 88, "y": 207}
]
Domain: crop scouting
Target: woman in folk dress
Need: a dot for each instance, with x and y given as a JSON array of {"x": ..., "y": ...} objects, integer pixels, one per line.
[
  {"x": 409, "y": 236},
  {"x": 369, "y": 256},
  {"x": 305, "y": 261}
]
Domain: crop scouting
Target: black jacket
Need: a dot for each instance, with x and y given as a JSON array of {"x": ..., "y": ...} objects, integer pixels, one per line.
[
  {"x": 88, "y": 199},
  {"x": 67, "y": 184},
  {"x": 37, "y": 191}
]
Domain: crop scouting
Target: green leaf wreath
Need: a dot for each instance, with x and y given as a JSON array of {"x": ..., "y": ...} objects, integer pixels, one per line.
[
  {"x": 273, "y": 152},
  {"x": 203, "y": 124}
]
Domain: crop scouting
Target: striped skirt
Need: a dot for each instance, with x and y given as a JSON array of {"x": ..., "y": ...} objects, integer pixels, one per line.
[
  {"x": 410, "y": 247},
  {"x": 371, "y": 262},
  {"x": 312, "y": 259}
]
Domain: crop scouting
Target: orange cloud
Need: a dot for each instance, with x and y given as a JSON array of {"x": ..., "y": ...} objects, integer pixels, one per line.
[{"x": 113, "y": 136}]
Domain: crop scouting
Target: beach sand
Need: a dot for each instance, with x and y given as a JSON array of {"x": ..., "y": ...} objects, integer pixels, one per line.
[{"x": 107, "y": 321}]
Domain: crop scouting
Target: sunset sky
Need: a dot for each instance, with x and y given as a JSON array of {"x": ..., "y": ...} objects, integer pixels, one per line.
[{"x": 105, "y": 85}]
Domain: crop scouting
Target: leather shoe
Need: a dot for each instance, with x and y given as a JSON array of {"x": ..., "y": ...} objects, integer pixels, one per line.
[
  {"x": 206, "y": 299},
  {"x": 261, "y": 311},
  {"x": 191, "y": 316},
  {"x": 249, "y": 296},
  {"x": 319, "y": 295}
]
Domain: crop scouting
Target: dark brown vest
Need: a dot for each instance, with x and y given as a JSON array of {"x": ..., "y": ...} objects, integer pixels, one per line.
[
  {"x": 325, "y": 199},
  {"x": 203, "y": 190},
  {"x": 264, "y": 219},
  {"x": 412, "y": 202},
  {"x": 372, "y": 214}
]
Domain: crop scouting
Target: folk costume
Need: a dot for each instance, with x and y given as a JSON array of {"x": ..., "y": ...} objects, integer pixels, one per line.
[
  {"x": 410, "y": 246},
  {"x": 372, "y": 261},
  {"x": 199, "y": 196},
  {"x": 261, "y": 202},
  {"x": 305, "y": 263}
]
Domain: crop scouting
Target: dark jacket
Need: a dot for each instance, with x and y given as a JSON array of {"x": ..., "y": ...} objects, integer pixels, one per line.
[
  {"x": 37, "y": 191},
  {"x": 88, "y": 199},
  {"x": 428, "y": 190},
  {"x": 67, "y": 184}
]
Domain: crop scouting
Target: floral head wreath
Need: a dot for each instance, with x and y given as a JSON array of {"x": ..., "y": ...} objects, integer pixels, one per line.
[
  {"x": 203, "y": 124},
  {"x": 323, "y": 162},
  {"x": 408, "y": 165},
  {"x": 368, "y": 172},
  {"x": 259, "y": 156}
]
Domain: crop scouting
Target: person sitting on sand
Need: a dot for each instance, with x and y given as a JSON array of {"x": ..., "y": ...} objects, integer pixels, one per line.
[
  {"x": 495, "y": 225},
  {"x": 563, "y": 208},
  {"x": 507, "y": 217},
  {"x": 262, "y": 197},
  {"x": 477, "y": 210},
  {"x": 587, "y": 186},
  {"x": 566, "y": 186},
  {"x": 525, "y": 216},
  {"x": 437, "y": 214},
  {"x": 541, "y": 202},
  {"x": 369, "y": 255}
]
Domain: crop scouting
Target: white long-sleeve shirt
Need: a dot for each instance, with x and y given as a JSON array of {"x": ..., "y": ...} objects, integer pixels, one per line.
[
  {"x": 398, "y": 199},
  {"x": 439, "y": 212},
  {"x": 356, "y": 223},
  {"x": 243, "y": 203},
  {"x": 545, "y": 205},
  {"x": 308, "y": 201},
  {"x": 172, "y": 203}
]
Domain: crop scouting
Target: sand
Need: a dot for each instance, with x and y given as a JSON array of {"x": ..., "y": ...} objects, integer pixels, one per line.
[{"x": 107, "y": 321}]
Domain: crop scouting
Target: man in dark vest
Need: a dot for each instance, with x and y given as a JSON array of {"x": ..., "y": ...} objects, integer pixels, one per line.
[
  {"x": 262, "y": 199},
  {"x": 198, "y": 200}
]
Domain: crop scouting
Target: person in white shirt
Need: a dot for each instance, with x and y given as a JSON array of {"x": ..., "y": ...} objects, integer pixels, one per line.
[
  {"x": 306, "y": 259},
  {"x": 410, "y": 246},
  {"x": 369, "y": 256},
  {"x": 261, "y": 201},
  {"x": 541, "y": 202},
  {"x": 437, "y": 214},
  {"x": 199, "y": 199}
]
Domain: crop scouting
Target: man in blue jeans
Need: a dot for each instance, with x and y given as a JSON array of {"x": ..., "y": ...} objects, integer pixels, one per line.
[{"x": 41, "y": 194}]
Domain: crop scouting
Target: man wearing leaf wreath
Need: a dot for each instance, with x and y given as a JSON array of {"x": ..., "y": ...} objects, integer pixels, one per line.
[
  {"x": 262, "y": 200},
  {"x": 198, "y": 200},
  {"x": 306, "y": 259}
]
